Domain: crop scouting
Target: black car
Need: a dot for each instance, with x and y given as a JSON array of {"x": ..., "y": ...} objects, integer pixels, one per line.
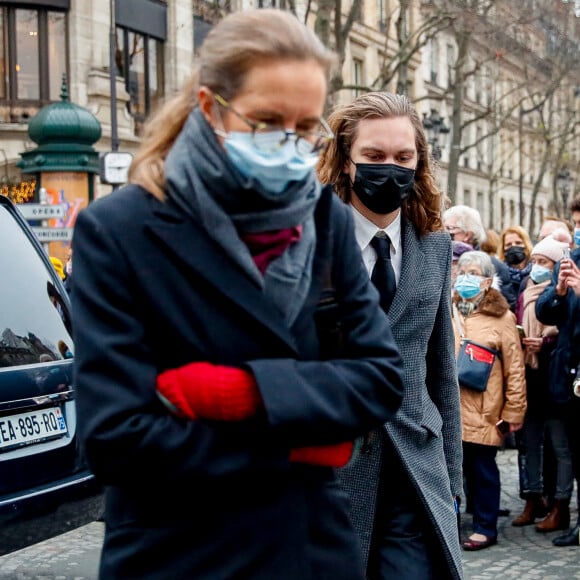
[{"x": 41, "y": 464}]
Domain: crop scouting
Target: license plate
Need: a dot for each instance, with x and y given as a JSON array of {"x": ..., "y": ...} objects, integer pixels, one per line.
[{"x": 32, "y": 427}]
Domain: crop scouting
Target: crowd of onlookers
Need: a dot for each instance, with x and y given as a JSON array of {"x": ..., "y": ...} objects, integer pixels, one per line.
[{"x": 516, "y": 296}]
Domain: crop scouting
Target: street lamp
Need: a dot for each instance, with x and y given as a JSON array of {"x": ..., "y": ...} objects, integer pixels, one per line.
[
  {"x": 563, "y": 180},
  {"x": 436, "y": 130}
]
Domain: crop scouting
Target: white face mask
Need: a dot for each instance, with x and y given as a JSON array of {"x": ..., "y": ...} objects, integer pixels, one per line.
[
  {"x": 272, "y": 170},
  {"x": 540, "y": 274},
  {"x": 68, "y": 268}
]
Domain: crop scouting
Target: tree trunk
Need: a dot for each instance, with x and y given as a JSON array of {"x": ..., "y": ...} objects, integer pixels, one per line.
[{"x": 463, "y": 38}]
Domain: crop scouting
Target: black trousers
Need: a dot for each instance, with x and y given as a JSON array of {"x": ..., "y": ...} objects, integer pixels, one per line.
[
  {"x": 572, "y": 423},
  {"x": 404, "y": 545}
]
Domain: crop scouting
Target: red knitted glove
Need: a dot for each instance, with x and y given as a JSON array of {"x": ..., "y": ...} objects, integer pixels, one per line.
[
  {"x": 207, "y": 391},
  {"x": 325, "y": 455}
]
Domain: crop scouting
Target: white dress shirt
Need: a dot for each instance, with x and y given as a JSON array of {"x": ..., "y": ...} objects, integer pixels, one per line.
[{"x": 365, "y": 231}]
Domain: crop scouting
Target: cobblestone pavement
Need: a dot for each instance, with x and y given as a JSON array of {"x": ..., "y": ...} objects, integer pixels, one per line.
[{"x": 521, "y": 553}]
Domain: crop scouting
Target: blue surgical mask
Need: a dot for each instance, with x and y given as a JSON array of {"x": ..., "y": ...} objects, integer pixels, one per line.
[
  {"x": 577, "y": 236},
  {"x": 468, "y": 285},
  {"x": 540, "y": 274},
  {"x": 272, "y": 171}
]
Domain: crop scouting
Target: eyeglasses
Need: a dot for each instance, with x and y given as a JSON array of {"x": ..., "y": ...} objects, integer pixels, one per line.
[{"x": 269, "y": 138}]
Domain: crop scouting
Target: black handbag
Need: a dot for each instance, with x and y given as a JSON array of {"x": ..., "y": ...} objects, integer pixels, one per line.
[
  {"x": 474, "y": 361},
  {"x": 474, "y": 364}
]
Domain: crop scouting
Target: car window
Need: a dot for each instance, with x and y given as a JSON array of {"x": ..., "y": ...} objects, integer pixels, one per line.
[{"x": 34, "y": 316}]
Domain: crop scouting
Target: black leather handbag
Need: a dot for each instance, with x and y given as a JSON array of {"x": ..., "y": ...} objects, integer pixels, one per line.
[{"x": 474, "y": 364}]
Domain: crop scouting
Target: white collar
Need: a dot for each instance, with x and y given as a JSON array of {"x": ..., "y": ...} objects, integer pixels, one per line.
[{"x": 365, "y": 230}]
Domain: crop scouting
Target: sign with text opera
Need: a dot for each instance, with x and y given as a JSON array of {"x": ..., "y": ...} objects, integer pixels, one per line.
[{"x": 70, "y": 189}]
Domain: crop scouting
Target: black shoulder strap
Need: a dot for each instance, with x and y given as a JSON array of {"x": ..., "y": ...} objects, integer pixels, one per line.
[{"x": 327, "y": 316}]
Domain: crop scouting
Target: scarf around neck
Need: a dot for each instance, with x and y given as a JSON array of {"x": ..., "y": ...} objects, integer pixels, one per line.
[
  {"x": 208, "y": 188},
  {"x": 517, "y": 275},
  {"x": 532, "y": 326}
]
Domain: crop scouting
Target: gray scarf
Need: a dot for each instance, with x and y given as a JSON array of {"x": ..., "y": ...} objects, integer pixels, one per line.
[{"x": 203, "y": 182}]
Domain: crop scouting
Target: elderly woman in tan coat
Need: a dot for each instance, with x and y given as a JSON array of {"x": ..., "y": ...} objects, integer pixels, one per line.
[{"x": 481, "y": 314}]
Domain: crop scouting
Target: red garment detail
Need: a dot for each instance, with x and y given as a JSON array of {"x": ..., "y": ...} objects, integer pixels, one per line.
[
  {"x": 203, "y": 390},
  {"x": 207, "y": 391},
  {"x": 265, "y": 247},
  {"x": 326, "y": 455}
]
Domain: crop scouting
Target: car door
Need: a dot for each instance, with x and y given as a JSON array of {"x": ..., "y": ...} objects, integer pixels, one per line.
[{"x": 40, "y": 460}]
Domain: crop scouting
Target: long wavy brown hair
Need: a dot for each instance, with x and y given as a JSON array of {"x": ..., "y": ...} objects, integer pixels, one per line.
[
  {"x": 239, "y": 42},
  {"x": 424, "y": 204}
]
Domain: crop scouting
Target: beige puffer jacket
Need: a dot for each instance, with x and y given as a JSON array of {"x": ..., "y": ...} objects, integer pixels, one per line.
[{"x": 493, "y": 325}]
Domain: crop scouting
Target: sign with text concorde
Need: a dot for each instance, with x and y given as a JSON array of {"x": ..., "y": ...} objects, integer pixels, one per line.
[
  {"x": 53, "y": 234},
  {"x": 41, "y": 211}
]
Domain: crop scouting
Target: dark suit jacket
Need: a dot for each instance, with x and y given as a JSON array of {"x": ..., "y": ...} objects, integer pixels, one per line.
[
  {"x": 426, "y": 432},
  {"x": 202, "y": 499}
]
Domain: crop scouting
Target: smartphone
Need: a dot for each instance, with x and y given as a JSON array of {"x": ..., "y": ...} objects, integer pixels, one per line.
[
  {"x": 566, "y": 254},
  {"x": 521, "y": 331},
  {"x": 503, "y": 427}
]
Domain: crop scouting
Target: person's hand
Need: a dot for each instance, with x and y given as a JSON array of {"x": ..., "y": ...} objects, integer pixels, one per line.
[
  {"x": 566, "y": 267},
  {"x": 533, "y": 345},
  {"x": 207, "y": 391},
  {"x": 515, "y": 427},
  {"x": 573, "y": 277}
]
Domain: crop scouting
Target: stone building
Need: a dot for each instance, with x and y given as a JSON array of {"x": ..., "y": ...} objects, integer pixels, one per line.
[
  {"x": 42, "y": 40},
  {"x": 495, "y": 157}
]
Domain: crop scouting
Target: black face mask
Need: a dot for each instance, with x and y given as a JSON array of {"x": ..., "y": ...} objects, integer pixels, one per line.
[
  {"x": 382, "y": 187},
  {"x": 515, "y": 255}
]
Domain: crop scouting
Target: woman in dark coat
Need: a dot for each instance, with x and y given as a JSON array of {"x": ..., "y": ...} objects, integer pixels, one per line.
[{"x": 204, "y": 403}]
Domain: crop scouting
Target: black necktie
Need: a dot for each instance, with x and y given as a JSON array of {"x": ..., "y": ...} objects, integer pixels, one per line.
[{"x": 383, "y": 275}]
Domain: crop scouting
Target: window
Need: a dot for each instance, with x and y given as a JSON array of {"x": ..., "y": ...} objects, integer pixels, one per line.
[
  {"x": 139, "y": 61},
  {"x": 480, "y": 202},
  {"x": 38, "y": 317},
  {"x": 382, "y": 15},
  {"x": 434, "y": 60},
  {"x": 33, "y": 49},
  {"x": 357, "y": 76},
  {"x": 450, "y": 64}
]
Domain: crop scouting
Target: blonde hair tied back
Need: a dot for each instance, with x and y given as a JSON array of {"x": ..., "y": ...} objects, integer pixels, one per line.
[{"x": 239, "y": 42}]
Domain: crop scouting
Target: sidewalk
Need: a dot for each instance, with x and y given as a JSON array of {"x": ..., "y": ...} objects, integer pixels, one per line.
[{"x": 521, "y": 553}]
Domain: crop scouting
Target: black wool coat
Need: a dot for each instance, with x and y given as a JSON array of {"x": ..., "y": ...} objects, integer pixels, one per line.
[{"x": 202, "y": 499}]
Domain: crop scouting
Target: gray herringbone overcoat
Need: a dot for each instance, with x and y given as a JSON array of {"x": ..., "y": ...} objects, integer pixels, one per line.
[{"x": 426, "y": 431}]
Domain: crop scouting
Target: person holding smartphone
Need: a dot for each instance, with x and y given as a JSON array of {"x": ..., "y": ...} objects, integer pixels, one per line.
[
  {"x": 544, "y": 417},
  {"x": 559, "y": 305}
]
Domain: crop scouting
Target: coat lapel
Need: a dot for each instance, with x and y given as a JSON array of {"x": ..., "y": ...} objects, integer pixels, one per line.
[
  {"x": 196, "y": 251},
  {"x": 412, "y": 266}
]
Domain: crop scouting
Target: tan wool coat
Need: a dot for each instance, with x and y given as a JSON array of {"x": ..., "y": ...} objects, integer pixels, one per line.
[{"x": 493, "y": 325}]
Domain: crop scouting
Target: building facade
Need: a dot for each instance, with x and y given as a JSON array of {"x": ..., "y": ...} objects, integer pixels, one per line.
[
  {"x": 510, "y": 114},
  {"x": 150, "y": 43}
]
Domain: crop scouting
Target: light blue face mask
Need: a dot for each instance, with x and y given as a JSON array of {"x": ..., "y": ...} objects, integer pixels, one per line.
[
  {"x": 272, "y": 170},
  {"x": 468, "y": 285},
  {"x": 577, "y": 236},
  {"x": 540, "y": 274}
]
